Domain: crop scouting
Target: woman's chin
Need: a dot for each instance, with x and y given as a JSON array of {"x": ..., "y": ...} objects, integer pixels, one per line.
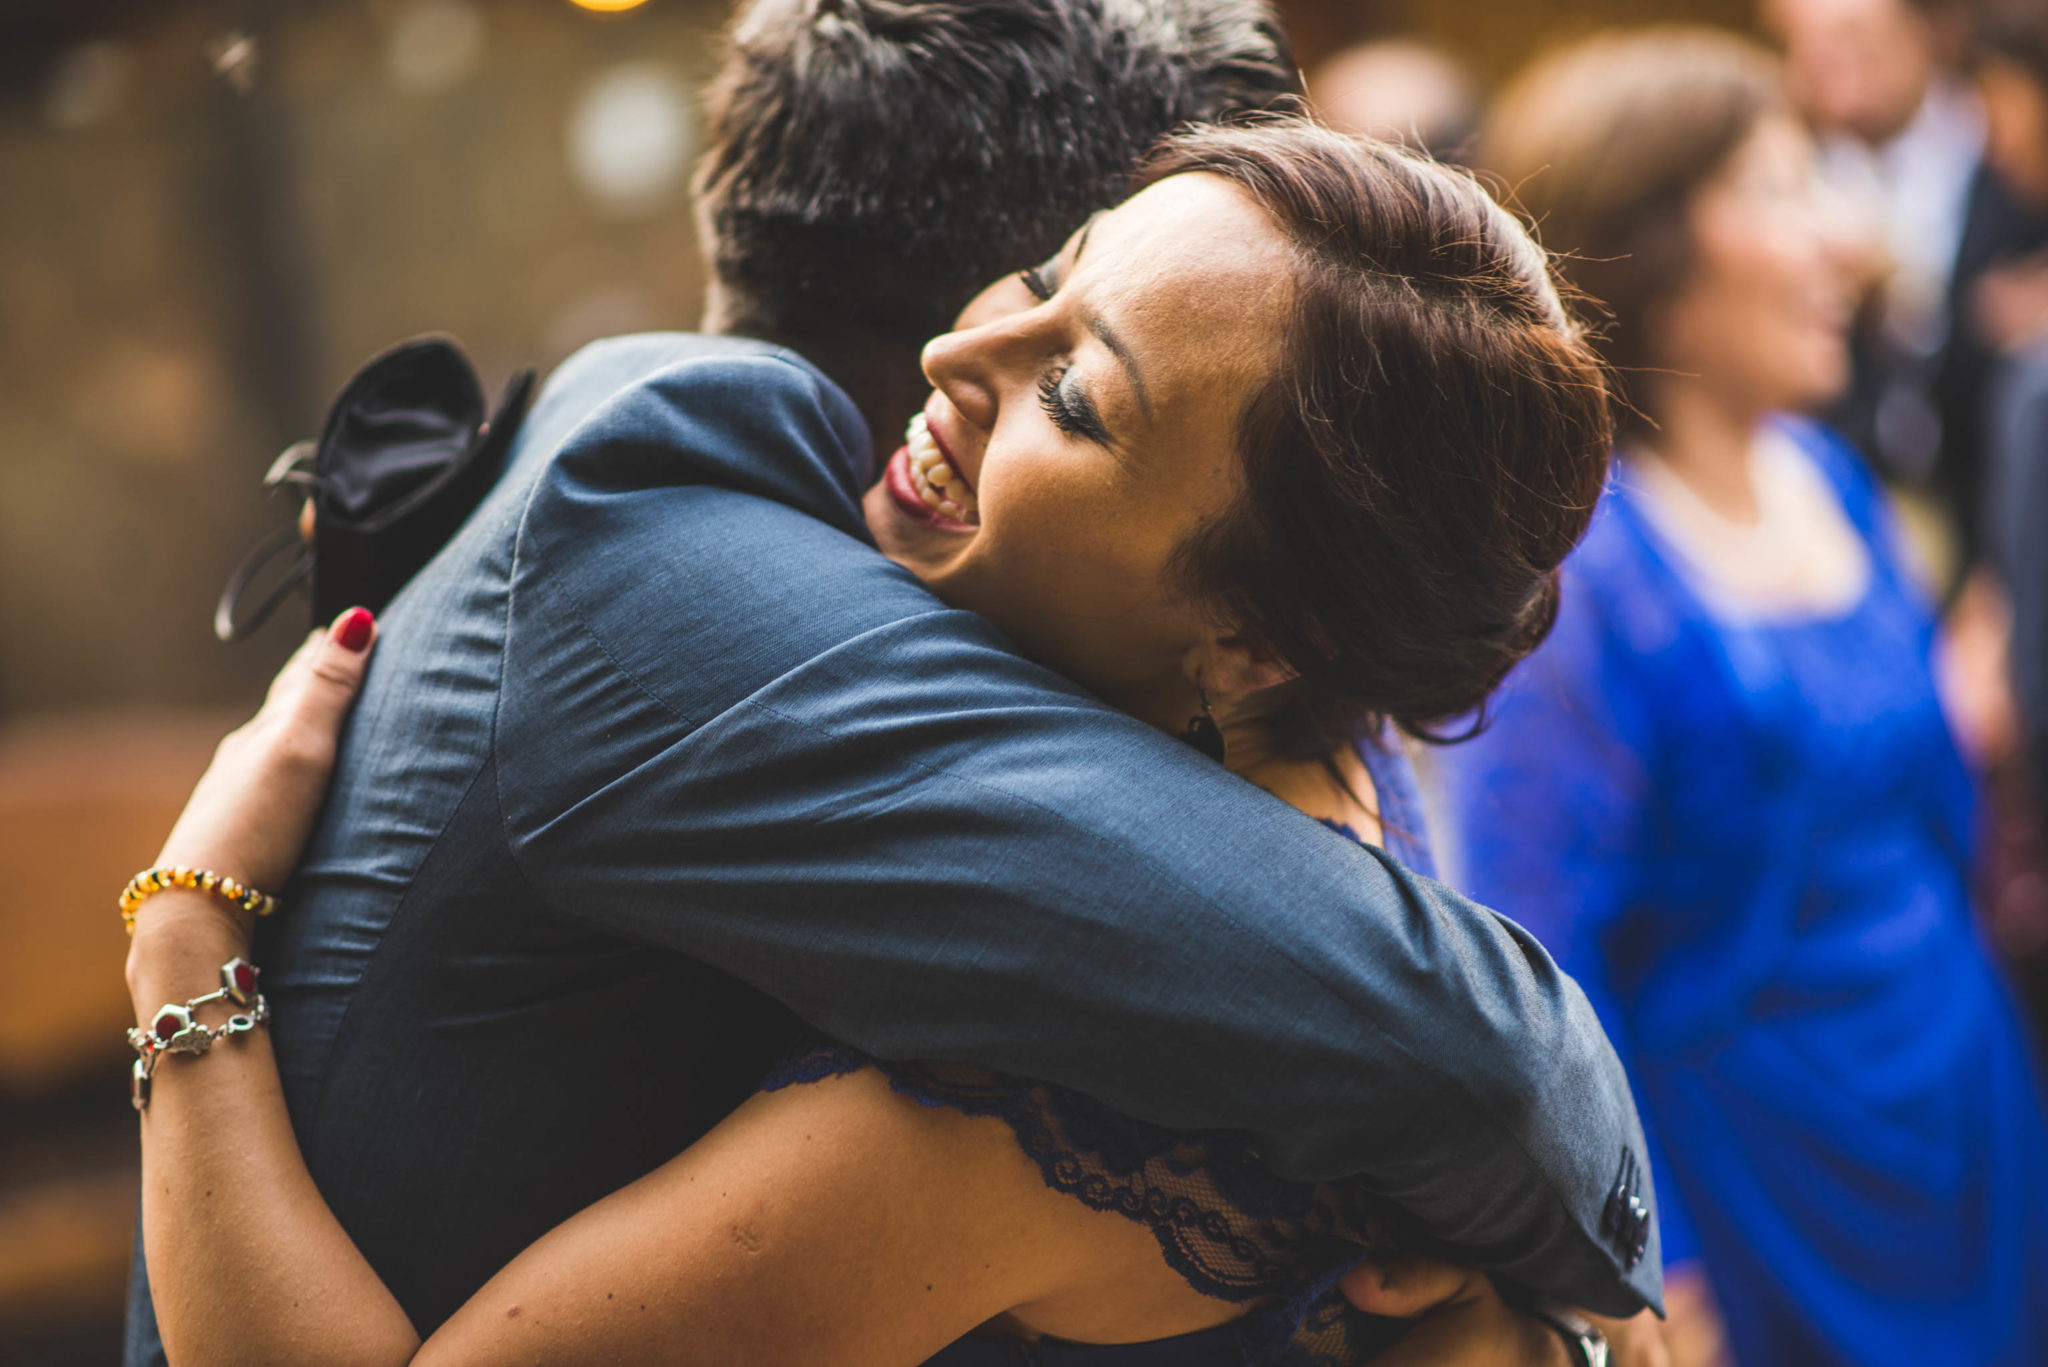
[
  {"x": 1819, "y": 383},
  {"x": 1801, "y": 378}
]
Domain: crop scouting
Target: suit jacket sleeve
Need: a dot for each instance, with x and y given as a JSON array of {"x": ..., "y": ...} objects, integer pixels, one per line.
[{"x": 729, "y": 727}]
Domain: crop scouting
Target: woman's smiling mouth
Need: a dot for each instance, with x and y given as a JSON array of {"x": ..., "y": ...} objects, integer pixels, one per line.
[{"x": 924, "y": 483}]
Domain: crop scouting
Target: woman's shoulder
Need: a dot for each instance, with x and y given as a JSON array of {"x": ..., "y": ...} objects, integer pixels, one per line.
[
  {"x": 1095, "y": 1153},
  {"x": 1613, "y": 598},
  {"x": 1624, "y": 634},
  {"x": 1221, "y": 1225},
  {"x": 1618, "y": 561}
]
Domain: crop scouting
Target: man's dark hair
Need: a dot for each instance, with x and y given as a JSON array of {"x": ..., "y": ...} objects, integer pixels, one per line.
[{"x": 875, "y": 163}]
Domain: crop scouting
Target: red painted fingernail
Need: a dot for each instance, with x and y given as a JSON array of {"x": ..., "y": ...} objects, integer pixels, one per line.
[{"x": 352, "y": 632}]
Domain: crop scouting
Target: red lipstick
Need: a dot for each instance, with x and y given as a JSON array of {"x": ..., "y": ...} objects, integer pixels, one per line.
[{"x": 903, "y": 493}]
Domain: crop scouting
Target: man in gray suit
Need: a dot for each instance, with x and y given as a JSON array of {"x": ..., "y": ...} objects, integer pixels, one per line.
[{"x": 660, "y": 722}]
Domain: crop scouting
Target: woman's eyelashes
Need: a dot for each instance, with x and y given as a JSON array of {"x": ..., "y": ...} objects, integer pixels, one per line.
[
  {"x": 1069, "y": 407},
  {"x": 1043, "y": 280},
  {"x": 1066, "y": 404}
]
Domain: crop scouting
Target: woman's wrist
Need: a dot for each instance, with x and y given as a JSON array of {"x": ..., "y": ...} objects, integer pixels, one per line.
[{"x": 181, "y": 940}]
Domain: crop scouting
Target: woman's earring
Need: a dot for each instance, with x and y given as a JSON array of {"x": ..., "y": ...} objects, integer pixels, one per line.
[{"x": 1202, "y": 731}]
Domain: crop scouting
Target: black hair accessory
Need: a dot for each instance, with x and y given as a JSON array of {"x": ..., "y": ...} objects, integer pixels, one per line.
[
  {"x": 404, "y": 457},
  {"x": 1202, "y": 731}
]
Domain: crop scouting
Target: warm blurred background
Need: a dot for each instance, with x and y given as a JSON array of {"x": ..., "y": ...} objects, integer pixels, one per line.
[{"x": 211, "y": 211}]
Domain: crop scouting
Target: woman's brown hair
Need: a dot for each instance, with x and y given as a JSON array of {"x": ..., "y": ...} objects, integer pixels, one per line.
[
  {"x": 1605, "y": 144},
  {"x": 1430, "y": 446}
]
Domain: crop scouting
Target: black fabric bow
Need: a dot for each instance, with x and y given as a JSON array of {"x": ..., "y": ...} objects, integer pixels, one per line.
[{"x": 404, "y": 457}]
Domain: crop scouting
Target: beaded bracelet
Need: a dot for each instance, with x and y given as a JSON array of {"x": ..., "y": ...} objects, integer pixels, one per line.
[
  {"x": 149, "y": 882},
  {"x": 172, "y": 1030}
]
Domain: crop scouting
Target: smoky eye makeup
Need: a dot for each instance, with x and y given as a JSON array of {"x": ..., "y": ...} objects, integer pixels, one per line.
[
  {"x": 1069, "y": 407},
  {"x": 1043, "y": 280}
]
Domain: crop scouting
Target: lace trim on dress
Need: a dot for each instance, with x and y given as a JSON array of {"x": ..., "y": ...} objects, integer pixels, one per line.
[{"x": 1225, "y": 1224}]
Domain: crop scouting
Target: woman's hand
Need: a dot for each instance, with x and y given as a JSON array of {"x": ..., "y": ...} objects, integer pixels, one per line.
[
  {"x": 257, "y": 802},
  {"x": 253, "y": 808},
  {"x": 1694, "y": 1331},
  {"x": 1462, "y": 1319},
  {"x": 1973, "y": 675},
  {"x": 249, "y": 815}
]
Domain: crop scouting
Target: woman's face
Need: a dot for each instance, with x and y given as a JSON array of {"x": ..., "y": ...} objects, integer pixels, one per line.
[
  {"x": 1763, "y": 318},
  {"x": 1083, "y": 423}
]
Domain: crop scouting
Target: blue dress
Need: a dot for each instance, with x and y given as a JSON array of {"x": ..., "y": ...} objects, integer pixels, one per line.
[
  {"x": 1226, "y": 1225},
  {"x": 1750, "y": 842}
]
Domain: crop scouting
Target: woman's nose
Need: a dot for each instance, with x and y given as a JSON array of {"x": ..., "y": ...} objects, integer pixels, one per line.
[{"x": 964, "y": 367}]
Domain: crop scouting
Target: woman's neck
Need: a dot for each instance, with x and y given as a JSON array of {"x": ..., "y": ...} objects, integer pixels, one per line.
[
  {"x": 1758, "y": 525},
  {"x": 1247, "y": 742},
  {"x": 1338, "y": 788},
  {"x": 1705, "y": 440}
]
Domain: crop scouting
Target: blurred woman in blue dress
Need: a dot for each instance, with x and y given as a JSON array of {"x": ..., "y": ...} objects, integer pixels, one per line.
[{"x": 1725, "y": 793}]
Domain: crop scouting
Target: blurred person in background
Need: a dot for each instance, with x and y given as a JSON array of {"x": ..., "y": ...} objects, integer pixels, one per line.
[
  {"x": 1402, "y": 90},
  {"x": 1725, "y": 793},
  {"x": 2010, "y": 310},
  {"x": 1902, "y": 136},
  {"x": 1914, "y": 146}
]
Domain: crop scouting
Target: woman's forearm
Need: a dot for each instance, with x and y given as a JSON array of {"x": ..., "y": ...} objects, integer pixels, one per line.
[{"x": 246, "y": 1262}]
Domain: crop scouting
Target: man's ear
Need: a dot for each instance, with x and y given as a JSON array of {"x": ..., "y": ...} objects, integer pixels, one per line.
[{"x": 1232, "y": 663}]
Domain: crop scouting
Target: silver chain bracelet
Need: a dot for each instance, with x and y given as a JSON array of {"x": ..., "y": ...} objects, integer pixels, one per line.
[{"x": 173, "y": 1030}]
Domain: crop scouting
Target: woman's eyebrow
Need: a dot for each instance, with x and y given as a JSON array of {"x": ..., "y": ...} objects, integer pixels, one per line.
[
  {"x": 1107, "y": 334},
  {"x": 1101, "y": 328}
]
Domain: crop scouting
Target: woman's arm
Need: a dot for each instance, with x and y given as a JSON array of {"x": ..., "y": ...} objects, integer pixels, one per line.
[
  {"x": 245, "y": 1259},
  {"x": 246, "y": 1262},
  {"x": 833, "y": 1221}
]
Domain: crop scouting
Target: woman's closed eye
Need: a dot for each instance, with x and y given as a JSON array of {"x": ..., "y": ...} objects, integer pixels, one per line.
[
  {"x": 1043, "y": 280},
  {"x": 1069, "y": 407}
]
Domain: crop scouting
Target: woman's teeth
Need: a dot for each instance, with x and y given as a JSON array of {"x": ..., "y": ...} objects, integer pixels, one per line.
[{"x": 936, "y": 482}]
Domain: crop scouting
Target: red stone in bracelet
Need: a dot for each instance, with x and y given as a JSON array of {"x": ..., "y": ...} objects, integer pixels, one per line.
[{"x": 172, "y": 1029}]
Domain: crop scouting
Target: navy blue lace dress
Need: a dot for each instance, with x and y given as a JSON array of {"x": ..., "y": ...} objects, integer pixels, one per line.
[{"x": 1225, "y": 1224}]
